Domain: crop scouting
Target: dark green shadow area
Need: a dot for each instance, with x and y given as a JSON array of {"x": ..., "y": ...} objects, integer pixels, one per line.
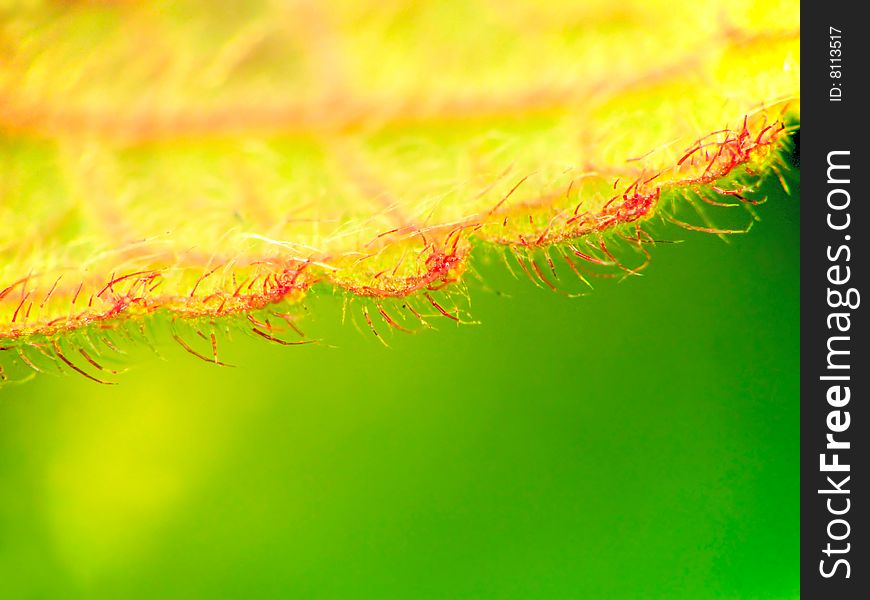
[{"x": 641, "y": 442}]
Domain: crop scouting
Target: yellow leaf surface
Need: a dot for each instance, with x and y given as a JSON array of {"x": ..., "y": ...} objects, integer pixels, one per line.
[{"x": 213, "y": 158}]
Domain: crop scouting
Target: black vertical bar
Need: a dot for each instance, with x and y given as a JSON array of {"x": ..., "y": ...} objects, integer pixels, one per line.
[{"x": 835, "y": 52}]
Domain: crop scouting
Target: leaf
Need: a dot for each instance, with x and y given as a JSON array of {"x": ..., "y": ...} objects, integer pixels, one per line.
[{"x": 208, "y": 159}]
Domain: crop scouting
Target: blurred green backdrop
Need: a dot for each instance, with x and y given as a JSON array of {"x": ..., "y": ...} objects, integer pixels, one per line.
[{"x": 641, "y": 442}]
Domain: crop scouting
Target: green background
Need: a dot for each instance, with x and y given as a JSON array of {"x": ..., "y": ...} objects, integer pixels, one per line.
[{"x": 640, "y": 442}]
